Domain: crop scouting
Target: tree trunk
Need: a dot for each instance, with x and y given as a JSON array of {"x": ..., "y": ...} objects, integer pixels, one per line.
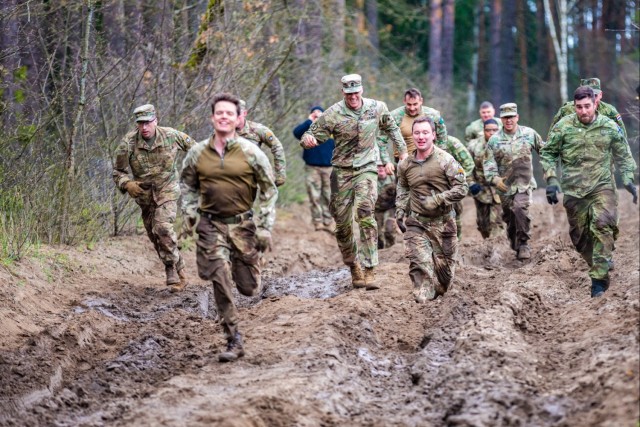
[
  {"x": 9, "y": 62},
  {"x": 435, "y": 43},
  {"x": 336, "y": 18},
  {"x": 371, "y": 12},
  {"x": 472, "y": 85},
  {"x": 559, "y": 42},
  {"x": 522, "y": 50},
  {"x": 496, "y": 52},
  {"x": 448, "y": 29}
]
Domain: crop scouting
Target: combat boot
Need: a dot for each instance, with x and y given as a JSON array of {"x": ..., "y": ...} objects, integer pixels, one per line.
[
  {"x": 524, "y": 252},
  {"x": 172, "y": 276},
  {"x": 370, "y": 279},
  {"x": 598, "y": 287},
  {"x": 357, "y": 276},
  {"x": 234, "y": 349},
  {"x": 179, "y": 287}
]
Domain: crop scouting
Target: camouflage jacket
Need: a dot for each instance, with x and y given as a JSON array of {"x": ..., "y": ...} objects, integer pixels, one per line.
[
  {"x": 355, "y": 133},
  {"x": 454, "y": 147},
  {"x": 585, "y": 153},
  {"x": 260, "y": 134},
  {"x": 398, "y": 114},
  {"x": 439, "y": 173},
  {"x": 193, "y": 194},
  {"x": 509, "y": 156},
  {"x": 153, "y": 166},
  {"x": 478, "y": 148},
  {"x": 475, "y": 129},
  {"x": 603, "y": 109}
]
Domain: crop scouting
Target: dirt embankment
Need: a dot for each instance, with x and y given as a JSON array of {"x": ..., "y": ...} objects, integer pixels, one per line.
[{"x": 92, "y": 337}]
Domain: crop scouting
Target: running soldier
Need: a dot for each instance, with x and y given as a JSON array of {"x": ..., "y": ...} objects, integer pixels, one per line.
[{"x": 475, "y": 129}]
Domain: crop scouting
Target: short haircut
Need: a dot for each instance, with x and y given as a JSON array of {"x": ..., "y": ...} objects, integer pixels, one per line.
[
  {"x": 424, "y": 119},
  {"x": 490, "y": 122},
  {"x": 584, "y": 92},
  {"x": 225, "y": 96},
  {"x": 485, "y": 105},
  {"x": 413, "y": 93}
]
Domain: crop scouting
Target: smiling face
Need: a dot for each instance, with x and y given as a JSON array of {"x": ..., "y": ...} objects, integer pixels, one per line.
[
  {"x": 147, "y": 129},
  {"x": 423, "y": 137},
  {"x": 510, "y": 124},
  {"x": 585, "y": 110},
  {"x": 413, "y": 105},
  {"x": 487, "y": 113},
  {"x": 224, "y": 117},
  {"x": 353, "y": 100}
]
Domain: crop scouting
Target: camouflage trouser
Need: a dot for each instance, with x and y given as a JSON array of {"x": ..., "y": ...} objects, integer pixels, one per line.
[
  {"x": 593, "y": 227},
  {"x": 318, "y": 182},
  {"x": 457, "y": 207},
  {"x": 227, "y": 253},
  {"x": 386, "y": 228},
  {"x": 515, "y": 213},
  {"x": 158, "y": 222},
  {"x": 488, "y": 219},
  {"x": 431, "y": 246},
  {"x": 355, "y": 192}
]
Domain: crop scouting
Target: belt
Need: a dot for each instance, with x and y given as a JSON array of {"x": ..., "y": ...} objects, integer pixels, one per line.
[
  {"x": 235, "y": 219},
  {"x": 423, "y": 218},
  {"x": 357, "y": 168}
]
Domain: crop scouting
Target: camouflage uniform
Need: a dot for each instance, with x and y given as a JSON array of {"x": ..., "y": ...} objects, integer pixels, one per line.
[
  {"x": 454, "y": 147},
  {"x": 487, "y": 200},
  {"x": 430, "y": 241},
  {"x": 260, "y": 134},
  {"x": 399, "y": 115},
  {"x": 385, "y": 211},
  {"x": 509, "y": 156},
  {"x": 603, "y": 109},
  {"x": 354, "y": 177},
  {"x": 153, "y": 164},
  {"x": 318, "y": 182},
  {"x": 475, "y": 129},
  {"x": 585, "y": 153},
  {"x": 223, "y": 194}
]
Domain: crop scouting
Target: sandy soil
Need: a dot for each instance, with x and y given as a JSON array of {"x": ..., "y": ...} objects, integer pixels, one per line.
[{"x": 93, "y": 337}]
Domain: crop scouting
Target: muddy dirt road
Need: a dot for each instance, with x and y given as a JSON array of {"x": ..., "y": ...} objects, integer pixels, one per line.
[{"x": 92, "y": 338}]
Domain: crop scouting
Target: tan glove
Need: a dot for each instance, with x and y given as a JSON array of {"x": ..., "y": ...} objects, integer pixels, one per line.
[
  {"x": 433, "y": 202},
  {"x": 133, "y": 188},
  {"x": 280, "y": 181},
  {"x": 264, "y": 240},
  {"x": 500, "y": 185}
]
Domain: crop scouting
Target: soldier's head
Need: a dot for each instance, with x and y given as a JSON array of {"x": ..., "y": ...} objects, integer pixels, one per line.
[
  {"x": 424, "y": 133},
  {"x": 594, "y": 84},
  {"x": 352, "y": 90},
  {"x": 225, "y": 109},
  {"x": 242, "y": 117},
  {"x": 584, "y": 101},
  {"x": 413, "y": 101},
  {"x": 509, "y": 117},
  {"x": 146, "y": 120},
  {"x": 490, "y": 127},
  {"x": 486, "y": 111},
  {"x": 315, "y": 112}
]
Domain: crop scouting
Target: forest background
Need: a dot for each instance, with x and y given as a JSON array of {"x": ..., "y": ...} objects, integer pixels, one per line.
[{"x": 73, "y": 71}]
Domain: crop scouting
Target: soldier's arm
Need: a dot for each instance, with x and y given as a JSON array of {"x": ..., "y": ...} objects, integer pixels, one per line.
[
  {"x": 463, "y": 156},
  {"x": 321, "y": 129},
  {"x": 389, "y": 126},
  {"x": 382, "y": 149},
  {"x": 185, "y": 142},
  {"x": 441, "y": 130},
  {"x": 489, "y": 165},
  {"x": 121, "y": 166},
  {"x": 538, "y": 143},
  {"x": 189, "y": 183},
  {"x": 622, "y": 157},
  {"x": 277, "y": 150},
  {"x": 469, "y": 133},
  {"x": 457, "y": 181},
  {"x": 560, "y": 114},
  {"x": 550, "y": 152},
  {"x": 266, "y": 215},
  {"x": 299, "y": 130},
  {"x": 402, "y": 191},
  {"x": 616, "y": 117}
]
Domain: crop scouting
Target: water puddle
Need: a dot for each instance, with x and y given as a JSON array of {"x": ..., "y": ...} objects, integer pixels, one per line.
[
  {"x": 102, "y": 306},
  {"x": 321, "y": 284}
]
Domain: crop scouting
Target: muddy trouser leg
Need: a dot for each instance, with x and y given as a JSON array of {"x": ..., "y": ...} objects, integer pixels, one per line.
[
  {"x": 458, "y": 209},
  {"x": 593, "y": 229},
  {"x": 325, "y": 193},
  {"x": 483, "y": 218},
  {"x": 419, "y": 252},
  {"x": 245, "y": 258},
  {"x": 313, "y": 181},
  {"x": 444, "y": 240},
  {"x": 381, "y": 237},
  {"x": 165, "y": 236},
  {"x": 366, "y": 194},
  {"x": 515, "y": 213},
  {"x": 148, "y": 213},
  {"x": 389, "y": 228},
  {"x": 213, "y": 254}
]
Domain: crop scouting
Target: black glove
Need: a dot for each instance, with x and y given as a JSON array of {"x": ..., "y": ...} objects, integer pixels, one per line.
[
  {"x": 632, "y": 189},
  {"x": 400, "y": 222},
  {"x": 475, "y": 188},
  {"x": 552, "y": 194}
]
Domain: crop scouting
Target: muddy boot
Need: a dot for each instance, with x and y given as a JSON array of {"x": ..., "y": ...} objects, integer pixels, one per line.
[
  {"x": 370, "y": 279},
  {"x": 318, "y": 226},
  {"x": 524, "y": 252},
  {"x": 598, "y": 287},
  {"x": 179, "y": 287},
  {"x": 172, "y": 276},
  {"x": 424, "y": 293},
  {"x": 357, "y": 276},
  {"x": 234, "y": 349}
]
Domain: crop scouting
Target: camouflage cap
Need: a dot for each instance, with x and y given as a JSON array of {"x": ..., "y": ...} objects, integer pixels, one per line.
[
  {"x": 145, "y": 113},
  {"x": 508, "y": 110},
  {"x": 593, "y": 83},
  {"x": 351, "y": 83},
  {"x": 243, "y": 105}
]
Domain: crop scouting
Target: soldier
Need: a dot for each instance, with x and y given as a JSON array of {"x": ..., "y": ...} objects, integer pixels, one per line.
[
  {"x": 508, "y": 167},
  {"x": 485, "y": 198},
  {"x": 429, "y": 183},
  {"x": 317, "y": 167},
  {"x": 385, "y": 207},
  {"x": 150, "y": 152},
  {"x": 603, "y": 108},
  {"x": 260, "y": 134},
  {"x": 404, "y": 117},
  {"x": 354, "y": 123},
  {"x": 475, "y": 129},
  {"x": 220, "y": 180},
  {"x": 585, "y": 144}
]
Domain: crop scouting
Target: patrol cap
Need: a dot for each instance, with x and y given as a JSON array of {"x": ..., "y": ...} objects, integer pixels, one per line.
[
  {"x": 145, "y": 113},
  {"x": 593, "y": 83},
  {"x": 508, "y": 110},
  {"x": 243, "y": 105},
  {"x": 351, "y": 83}
]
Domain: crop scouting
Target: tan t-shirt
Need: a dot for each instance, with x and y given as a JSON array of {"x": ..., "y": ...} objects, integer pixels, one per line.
[{"x": 406, "y": 129}]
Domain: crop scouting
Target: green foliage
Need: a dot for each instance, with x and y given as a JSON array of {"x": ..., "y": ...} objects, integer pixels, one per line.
[{"x": 18, "y": 227}]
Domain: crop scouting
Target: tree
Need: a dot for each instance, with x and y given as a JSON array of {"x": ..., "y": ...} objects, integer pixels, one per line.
[{"x": 559, "y": 42}]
